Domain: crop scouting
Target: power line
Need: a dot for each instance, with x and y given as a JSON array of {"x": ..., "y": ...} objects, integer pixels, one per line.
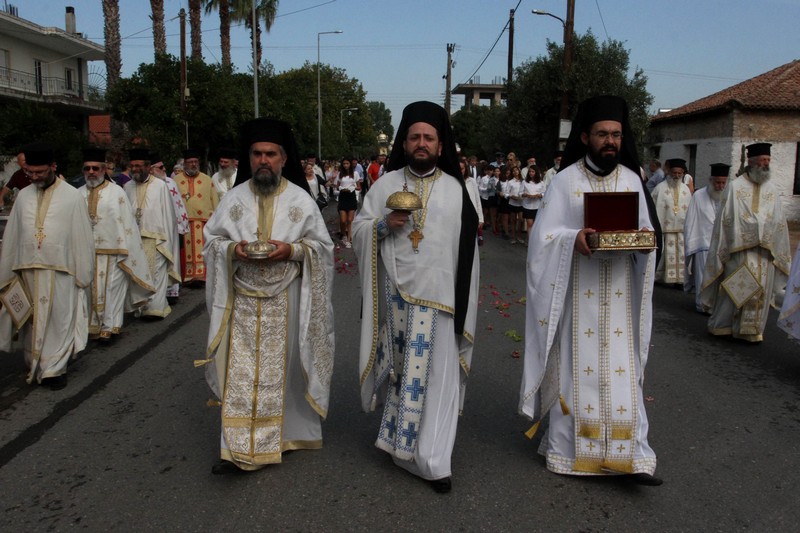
[
  {"x": 601, "y": 19},
  {"x": 508, "y": 21}
]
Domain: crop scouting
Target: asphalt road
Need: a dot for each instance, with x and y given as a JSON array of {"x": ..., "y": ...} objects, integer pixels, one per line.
[{"x": 129, "y": 444}]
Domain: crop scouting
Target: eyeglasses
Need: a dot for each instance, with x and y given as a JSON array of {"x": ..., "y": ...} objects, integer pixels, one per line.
[
  {"x": 37, "y": 173},
  {"x": 603, "y": 135},
  {"x": 94, "y": 168},
  {"x": 160, "y": 167}
]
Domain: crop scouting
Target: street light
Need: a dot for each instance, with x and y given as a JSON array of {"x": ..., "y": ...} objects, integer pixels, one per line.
[
  {"x": 565, "y": 124},
  {"x": 341, "y": 119},
  {"x": 319, "y": 96},
  {"x": 541, "y": 12}
]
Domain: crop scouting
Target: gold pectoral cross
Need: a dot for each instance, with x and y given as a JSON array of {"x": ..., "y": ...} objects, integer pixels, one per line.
[
  {"x": 39, "y": 236},
  {"x": 415, "y": 237}
]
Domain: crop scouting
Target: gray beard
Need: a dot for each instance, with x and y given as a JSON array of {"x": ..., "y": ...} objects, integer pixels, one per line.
[
  {"x": 94, "y": 182},
  {"x": 138, "y": 177},
  {"x": 227, "y": 172},
  {"x": 674, "y": 183},
  {"x": 758, "y": 175},
  {"x": 191, "y": 173},
  {"x": 265, "y": 181},
  {"x": 714, "y": 194}
]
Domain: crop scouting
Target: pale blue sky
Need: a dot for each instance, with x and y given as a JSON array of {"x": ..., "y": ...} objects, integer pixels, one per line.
[{"x": 397, "y": 49}]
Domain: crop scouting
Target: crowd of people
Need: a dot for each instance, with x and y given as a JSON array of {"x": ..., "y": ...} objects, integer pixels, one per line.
[{"x": 75, "y": 259}]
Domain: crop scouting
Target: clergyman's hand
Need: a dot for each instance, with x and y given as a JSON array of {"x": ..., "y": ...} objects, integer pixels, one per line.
[
  {"x": 238, "y": 251},
  {"x": 282, "y": 252},
  {"x": 397, "y": 219},
  {"x": 581, "y": 246}
]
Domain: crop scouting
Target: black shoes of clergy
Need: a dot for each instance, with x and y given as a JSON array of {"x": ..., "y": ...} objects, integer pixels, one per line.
[
  {"x": 441, "y": 486},
  {"x": 224, "y": 467},
  {"x": 55, "y": 383},
  {"x": 646, "y": 479}
]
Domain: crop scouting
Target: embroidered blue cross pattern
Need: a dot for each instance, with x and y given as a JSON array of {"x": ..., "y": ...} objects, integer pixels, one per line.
[
  {"x": 400, "y": 341},
  {"x": 379, "y": 353},
  {"x": 391, "y": 427},
  {"x": 420, "y": 345},
  {"x": 415, "y": 389},
  {"x": 398, "y": 300},
  {"x": 410, "y": 433}
]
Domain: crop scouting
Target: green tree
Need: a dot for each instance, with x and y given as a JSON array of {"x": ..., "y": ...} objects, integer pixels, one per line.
[
  {"x": 381, "y": 118},
  {"x": 529, "y": 124},
  {"x": 292, "y": 97},
  {"x": 149, "y": 103},
  {"x": 25, "y": 122}
]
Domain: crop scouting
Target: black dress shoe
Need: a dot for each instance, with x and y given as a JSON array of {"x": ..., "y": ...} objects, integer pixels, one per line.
[
  {"x": 224, "y": 467},
  {"x": 172, "y": 300},
  {"x": 646, "y": 479},
  {"x": 56, "y": 383},
  {"x": 442, "y": 485}
]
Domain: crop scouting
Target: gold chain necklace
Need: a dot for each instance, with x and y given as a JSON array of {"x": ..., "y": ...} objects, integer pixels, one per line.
[
  {"x": 418, "y": 220},
  {"x": 601, "y": 181},
  {"x": 42, "y": 206}
]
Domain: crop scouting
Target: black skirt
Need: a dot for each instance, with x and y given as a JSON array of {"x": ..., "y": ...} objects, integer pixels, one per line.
[{"x": 347, "y": 201}]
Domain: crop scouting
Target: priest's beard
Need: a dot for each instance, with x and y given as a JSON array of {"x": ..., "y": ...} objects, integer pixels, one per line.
[
  {"x": 265, "y": 181},
  {"x": 94, "y": 182},
  {"x": 674, "y": 183},
  {"x": 714, "y": 194},
  {"x": 422, "y": 160},
  {"x": 758, "y": 175},
  {"x": 606, "y": 158},
  {"x": 139, "y": 177},
  {"x": 45, "y": 183},
  {"x": 227, "y": 172},
  {"x": 191, "y": 172}
]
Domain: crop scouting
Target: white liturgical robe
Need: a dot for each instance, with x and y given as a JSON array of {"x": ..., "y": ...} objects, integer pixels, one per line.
[
  {"x": 696, "y": 240},
  {"x": 152, "y": 209},
  {"x": 271, "y": 339},
  {"x": 122, "y": 278},
  {"x": 587, "y": 334},
  {"x": 671, "y": 198},
  {"x": 48, "y": 246},
  {"x": 415, "y": 284},
  {"x": 750, "y": 233},
  {"x": 789, "y": 319}
]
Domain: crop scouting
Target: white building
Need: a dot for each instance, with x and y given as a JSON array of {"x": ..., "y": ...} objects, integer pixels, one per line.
[
  {"x": 714, "y": 129},
  {"x": 48, "y": 66}
]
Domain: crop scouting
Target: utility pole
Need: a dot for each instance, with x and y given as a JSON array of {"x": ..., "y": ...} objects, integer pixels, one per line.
[
  {"x": 510, "y": 48},
  {"x": 448, "y": 77},
  {"x": 184, "y": 88},
  {"x": 569, "y": 24}
]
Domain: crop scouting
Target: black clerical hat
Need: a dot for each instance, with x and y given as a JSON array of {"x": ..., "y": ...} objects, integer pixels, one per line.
[
  {"x": 273, "y": 131},
  {"x": 757, "y": 149},
  {"x": 138, "y": 154},
  {"x": 94, "y": 153},
  {"x": 677, "y": 163},
  {"x": 38, "y": 153},
  {"x": 720, "y": 169},
  {"x": 191, "y": 153}
]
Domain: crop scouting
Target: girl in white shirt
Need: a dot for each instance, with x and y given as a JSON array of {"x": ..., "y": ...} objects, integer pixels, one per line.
[
  {"x": 532, "y": 192},
  {"x": 513, "y": 192}
]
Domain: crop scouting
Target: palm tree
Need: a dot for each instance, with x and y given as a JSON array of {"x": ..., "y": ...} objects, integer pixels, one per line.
[
  {"x": 224, "y": 8},
  {"x": 159, "y": 31},
  {"x": 194, "y": 25},
  {"x": 266, "y": 10},
  {"x": 113, "y": 59}
]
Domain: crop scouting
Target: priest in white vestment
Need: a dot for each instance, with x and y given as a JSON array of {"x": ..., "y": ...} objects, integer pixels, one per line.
[
  {"x": 589, "y": 314},
  {"x": 271, "y": 339},
  {"x": 789, "y": 319},
  {"x": 224, "y": 178},
  {"x": 158, "y": 170},
  {"x": 122, "y": 279},
  {"x": 703, "y": 209},
  {"x": 749, "y": 257},
  {"x": 419, "y": 273},
  {"x": 671, "y": 198},
  {"x": 153, "y": 212},
  {"x": 47, "y": 247}
]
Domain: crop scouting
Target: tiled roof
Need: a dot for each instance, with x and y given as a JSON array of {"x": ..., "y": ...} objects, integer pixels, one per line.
[{"x": 777, "y": 90}]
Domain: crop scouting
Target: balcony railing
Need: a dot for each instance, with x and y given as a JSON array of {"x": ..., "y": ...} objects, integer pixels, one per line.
[{"x": 26, "y": 82}]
